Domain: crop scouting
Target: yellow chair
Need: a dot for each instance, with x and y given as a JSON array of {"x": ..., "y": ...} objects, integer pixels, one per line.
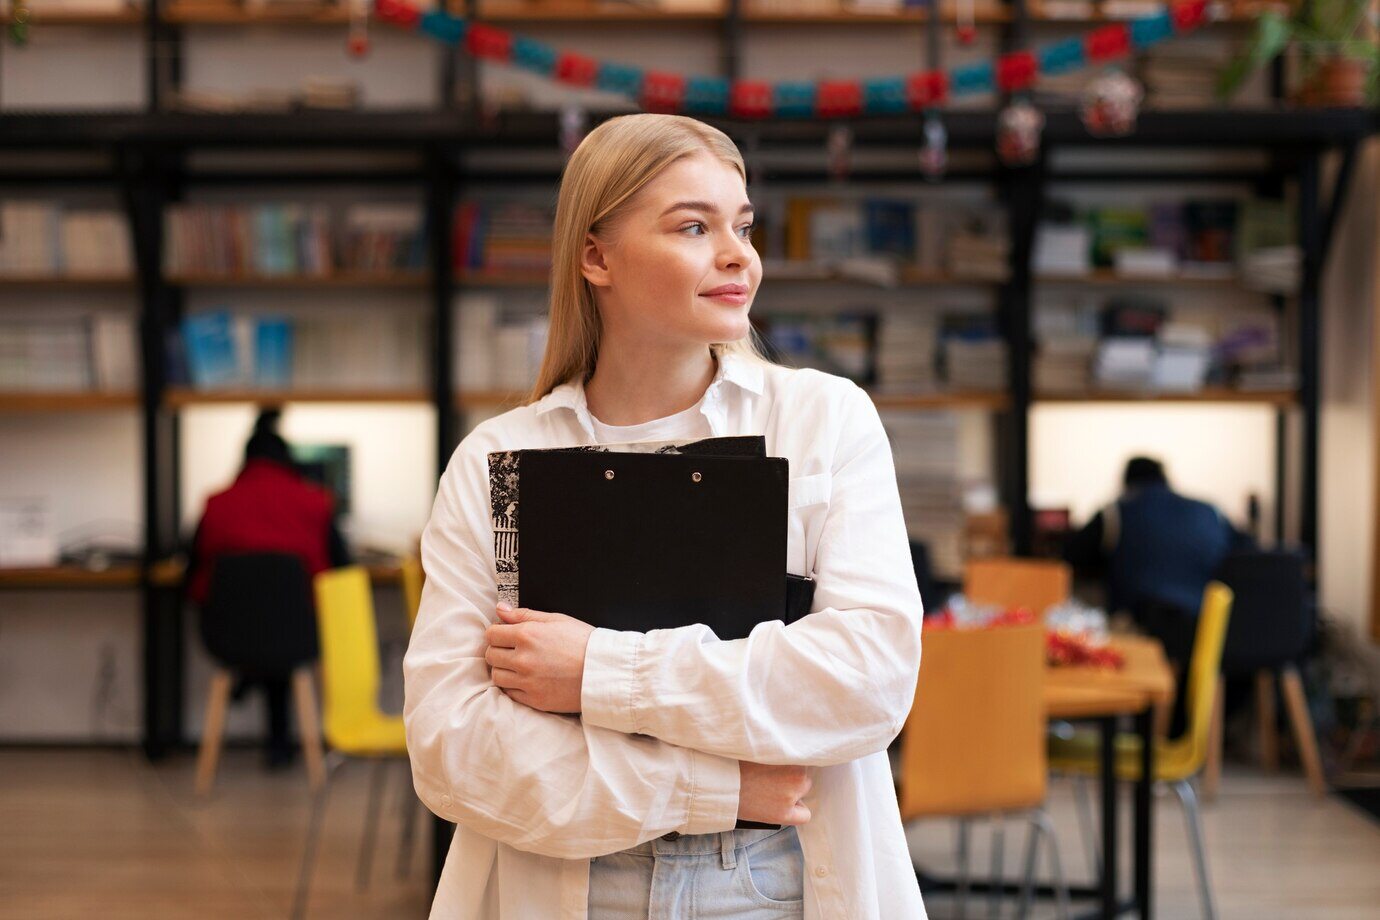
[
  {"x": 1180, "y": 759},
  {"x": 413, "y": 578},
  {"x": 1036, "y": 584},
  {"x": 974, "y": 742},
  {"x": 355, "y": 727}
]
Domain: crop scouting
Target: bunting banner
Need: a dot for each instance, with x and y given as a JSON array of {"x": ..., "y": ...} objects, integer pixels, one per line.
[{"x": 673, "y": 93}]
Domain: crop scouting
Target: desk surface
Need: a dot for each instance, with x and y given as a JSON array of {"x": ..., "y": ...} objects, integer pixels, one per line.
[
  {"x": 167, "y": 573},
  {"x": 1079, "y": 692}
]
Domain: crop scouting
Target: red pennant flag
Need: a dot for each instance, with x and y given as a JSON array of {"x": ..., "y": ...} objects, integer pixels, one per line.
[
  {"x": 1016, "y": 71},
  {"x": 396, "y": 11},
  {"x": 1188, "y": 16},
  {"x": 927, "y": 90},
  {"x": 576, "y": 69},
  {"x": 1108, "y": 43},
  {"x": 750, "y": 99},
  {"x": 486, "y": 41},
  {"x": 662, "y": 92},
  {"x": 836, "y": 98}
]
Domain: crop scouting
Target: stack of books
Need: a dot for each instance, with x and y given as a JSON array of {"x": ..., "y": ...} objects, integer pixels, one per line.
[
  {"x": 1184, "y": 74},
  {"x": 839, "y": 343},
  {"x": 497, "y": 349},
  {"x": 979, "y": 246},
  {"x": 974, "y": 353},
  {"x": 46, "y": 238},
  {"x": 1062, "y": 249},
  {"x": 96, "y": 352},
  {"x": 906, "y": 346},
  {"x": 507, "y": 237},
  {"x": 928, "y": 477}
]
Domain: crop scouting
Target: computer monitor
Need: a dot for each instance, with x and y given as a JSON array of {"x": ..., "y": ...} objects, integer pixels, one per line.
[{"x": 329, "y": 465}]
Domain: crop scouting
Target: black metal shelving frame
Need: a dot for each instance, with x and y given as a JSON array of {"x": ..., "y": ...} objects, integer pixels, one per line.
[{"x": 149, "y": 156}]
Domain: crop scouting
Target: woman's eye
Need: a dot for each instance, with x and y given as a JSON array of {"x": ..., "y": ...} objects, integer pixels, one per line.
[
  {"x": 745, "y": 231},
  {"x": 693, "y": 226}
]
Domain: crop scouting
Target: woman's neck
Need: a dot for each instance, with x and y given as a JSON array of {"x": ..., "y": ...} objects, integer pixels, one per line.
[{"x": 632, "y": 385}]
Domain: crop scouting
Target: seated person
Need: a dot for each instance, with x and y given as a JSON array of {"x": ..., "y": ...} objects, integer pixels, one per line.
[
  {"x": 1156, "y": 550},
  {"x": 269, "y": 507}
]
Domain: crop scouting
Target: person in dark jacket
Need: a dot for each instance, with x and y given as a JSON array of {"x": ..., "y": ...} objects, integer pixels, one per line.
[
  {"x": 270, "y": 507},
  {"x": 1156, "y": 550}
]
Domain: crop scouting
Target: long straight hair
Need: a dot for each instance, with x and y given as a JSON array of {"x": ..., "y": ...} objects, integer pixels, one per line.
[{"x": 611, "y": 164}]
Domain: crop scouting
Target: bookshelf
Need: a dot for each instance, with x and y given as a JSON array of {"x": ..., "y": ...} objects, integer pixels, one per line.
[
  {"x": 154, "y": 172},
  {"x": 67, "y": 578}
]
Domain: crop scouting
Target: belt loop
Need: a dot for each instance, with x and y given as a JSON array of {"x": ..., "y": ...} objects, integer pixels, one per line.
[{"x": 726, "y": 849}]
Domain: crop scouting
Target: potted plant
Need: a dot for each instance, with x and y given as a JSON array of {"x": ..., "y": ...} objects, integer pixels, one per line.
[{"x": 1338, "y": 64}]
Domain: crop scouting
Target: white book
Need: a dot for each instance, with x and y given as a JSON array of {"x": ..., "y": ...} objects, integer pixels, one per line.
[{"x": 114, "y": 353}]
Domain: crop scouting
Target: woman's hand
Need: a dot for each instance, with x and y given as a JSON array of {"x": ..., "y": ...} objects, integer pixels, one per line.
[
  {"x": 538, "y": 658},
  {"x": 771, "y": 795}
]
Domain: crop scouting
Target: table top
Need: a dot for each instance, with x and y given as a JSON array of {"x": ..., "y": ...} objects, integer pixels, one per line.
[
  {"x": 167, "y": 573},
  {"x": 1083, "y": 692}
]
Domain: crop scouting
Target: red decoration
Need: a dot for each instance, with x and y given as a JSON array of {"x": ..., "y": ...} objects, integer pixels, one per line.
[
  {"x": 662, "y": 92},
  {"x": 396, "y": 11},
  {"x": 966, "y": 34},
  {"x": 358, "y": 44},
  {"x": 1108, "y": 43},
  {"x": 486, "y": 41},
  {"x": 750, "y": 99},
  {"x": 1016, "y": 71},
  {"x": 835, "y": 98},
  {"x": 1188, "y": 16},
  {"x": 576, "y": 69},
  {"x": 927, "y": 90}
]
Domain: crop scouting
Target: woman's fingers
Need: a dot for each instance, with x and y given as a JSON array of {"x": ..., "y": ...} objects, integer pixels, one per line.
[
  {"x": 502, "y": 635},
  {"x": 797, "y": 815},
  {"x": 501, "y": 657},
  {"x": 505, "y": 679}
]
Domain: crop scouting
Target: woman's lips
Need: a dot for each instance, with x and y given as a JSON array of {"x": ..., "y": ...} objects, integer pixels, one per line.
[{"x": 729, "y": 297}]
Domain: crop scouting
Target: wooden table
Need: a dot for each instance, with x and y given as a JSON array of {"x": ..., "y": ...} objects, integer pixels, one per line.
[{"x": 1143, "y": 685}]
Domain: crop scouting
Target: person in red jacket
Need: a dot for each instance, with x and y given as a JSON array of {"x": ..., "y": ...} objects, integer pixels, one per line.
[{"x": 270, "y": 507}]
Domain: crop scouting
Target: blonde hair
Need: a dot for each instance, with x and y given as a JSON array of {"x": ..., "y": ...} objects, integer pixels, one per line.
[{"x": 611, "y": 164}]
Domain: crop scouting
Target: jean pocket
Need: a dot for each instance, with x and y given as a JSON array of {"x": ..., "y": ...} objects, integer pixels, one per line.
[{"x": 773, "y": 871}]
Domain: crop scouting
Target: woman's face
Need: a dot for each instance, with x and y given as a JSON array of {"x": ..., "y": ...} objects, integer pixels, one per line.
[{"x": 678, "y": 267}]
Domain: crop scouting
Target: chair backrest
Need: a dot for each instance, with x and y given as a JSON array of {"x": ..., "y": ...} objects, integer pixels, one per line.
[
  {"x": 1204, "y": 668},
  {"x": 1271, "y": 622},
  {"x": 258, "y": 617},
  {"x": 1036, "y": 584},
  {"x": 975, "y": 738},
  {"x": 349, "y": 650},
  {"x": 412, "y": 580}
]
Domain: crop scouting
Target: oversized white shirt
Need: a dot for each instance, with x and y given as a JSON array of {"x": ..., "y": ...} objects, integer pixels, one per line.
[{"x": 668, "y": 714}]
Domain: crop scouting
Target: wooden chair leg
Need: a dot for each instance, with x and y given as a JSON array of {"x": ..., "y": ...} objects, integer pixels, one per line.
[
  {"x": 1302, "y": 723},
  {"x": 208, "y": 758},
  {"x": 1212, "y": 773},
  {"x": 308, "y": 724},
  {"x": 1265, "y": 719}
]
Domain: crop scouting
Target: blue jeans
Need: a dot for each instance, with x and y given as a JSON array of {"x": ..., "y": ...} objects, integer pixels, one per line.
[{"x": 736, "y": 875}]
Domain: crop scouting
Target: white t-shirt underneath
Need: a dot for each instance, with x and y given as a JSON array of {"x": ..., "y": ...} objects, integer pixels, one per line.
[{"x": 687, "y": 424}]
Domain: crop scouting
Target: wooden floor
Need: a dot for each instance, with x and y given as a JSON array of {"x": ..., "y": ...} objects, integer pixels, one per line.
[{"x": 104, "y": 834}]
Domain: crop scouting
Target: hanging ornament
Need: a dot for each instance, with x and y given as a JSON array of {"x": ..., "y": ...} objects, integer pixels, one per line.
[
  {"x": 19, "y": 22},
  {"x": 1110, "y": 105},
  {"x": 966, "y": 30},
  {"x": 572, "y": 128},
  {"x": 934, "y": 153},
  {"x": 839, "y": 150},
  {"x": 1018, "y": 133},
  {"x": 357, "y": 40}
]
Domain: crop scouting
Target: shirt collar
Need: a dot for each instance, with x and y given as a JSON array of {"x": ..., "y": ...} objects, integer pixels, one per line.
[{"x": 743, "y": 373}]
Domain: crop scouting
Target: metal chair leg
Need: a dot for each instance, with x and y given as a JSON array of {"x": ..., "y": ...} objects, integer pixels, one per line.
[
  {"x": 1193, "y": 818},
  {"x": 1086, "y": 830},
  {"x": 333, "y": 763},
  {"x": 1056, "y": 865},
  {"x": 961, "y": 883},
  {"x": 1032, "y": 850},
  {"x": 371, "y": 826},
  {"x": 998, "y": 858},
  {"x": 410, "y": 807}
]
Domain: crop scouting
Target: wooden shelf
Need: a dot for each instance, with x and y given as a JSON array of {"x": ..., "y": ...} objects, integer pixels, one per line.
[
  {"x": 990, "y": 402},
  {"x": 215, "y": 14},
  {"x": 574, "y": 12},
  {"x": 1278, "y": 398},
  {"x": 502, "y": 279},
  {"x": 1110, "y": 277},
  {"x": 988, "y": 16},
  {"x": 179, "y": 397},
  {"x": 333, "y": 281},
  {"x": 43, "y": 17},
  {"x": 66, "y": 402},
  {"x": 68, "y": 576},
  {"x": 169, "y": 573},
  {"x": 67, "y": 282}
]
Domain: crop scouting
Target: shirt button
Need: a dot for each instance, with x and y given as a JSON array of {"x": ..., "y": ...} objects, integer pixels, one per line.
[
  {"x": 445, "y": 801},
  {"x": 821, "y": 871}
]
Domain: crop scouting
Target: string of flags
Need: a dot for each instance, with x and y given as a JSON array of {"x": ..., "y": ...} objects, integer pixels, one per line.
[{"x": 919, "y": 92}]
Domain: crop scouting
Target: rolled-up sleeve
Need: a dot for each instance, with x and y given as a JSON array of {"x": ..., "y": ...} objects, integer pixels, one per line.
[
  {"x": 545, "y": 783},
  {"x": 832, "y": 687}
]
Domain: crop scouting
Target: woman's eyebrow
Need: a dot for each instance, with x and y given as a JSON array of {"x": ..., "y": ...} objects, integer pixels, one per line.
[{"x": 707, "y": 207}]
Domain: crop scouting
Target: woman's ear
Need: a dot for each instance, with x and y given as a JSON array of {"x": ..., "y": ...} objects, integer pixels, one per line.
[{"x": 593, "y": 264}]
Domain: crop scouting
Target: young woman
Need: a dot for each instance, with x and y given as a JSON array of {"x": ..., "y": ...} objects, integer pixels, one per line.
[{"x": 628, "y": 811}]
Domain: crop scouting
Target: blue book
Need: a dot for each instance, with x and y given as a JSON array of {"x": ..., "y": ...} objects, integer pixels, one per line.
[
  {"x": 212, "y": 360},
  {"x": 273, "y": 353}
]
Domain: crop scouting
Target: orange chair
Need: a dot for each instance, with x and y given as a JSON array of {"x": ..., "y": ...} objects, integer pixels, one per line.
[
  {"x": 413, "y": 578},
  {"x": 974, "y": 743},
  {"x": 1036, "y": 584}
]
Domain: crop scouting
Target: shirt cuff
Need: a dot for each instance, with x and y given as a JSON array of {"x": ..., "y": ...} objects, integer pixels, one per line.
[
  {"x": 713, "y": 794},
  {"x": 609, "y": 689}
]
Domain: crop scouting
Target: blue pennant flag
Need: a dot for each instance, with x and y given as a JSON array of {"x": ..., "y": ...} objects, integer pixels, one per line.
[
  {"x": 707, "y": 95},
  {"x": 533, "y": 55},
  {"x": 443, "y": 27}
]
